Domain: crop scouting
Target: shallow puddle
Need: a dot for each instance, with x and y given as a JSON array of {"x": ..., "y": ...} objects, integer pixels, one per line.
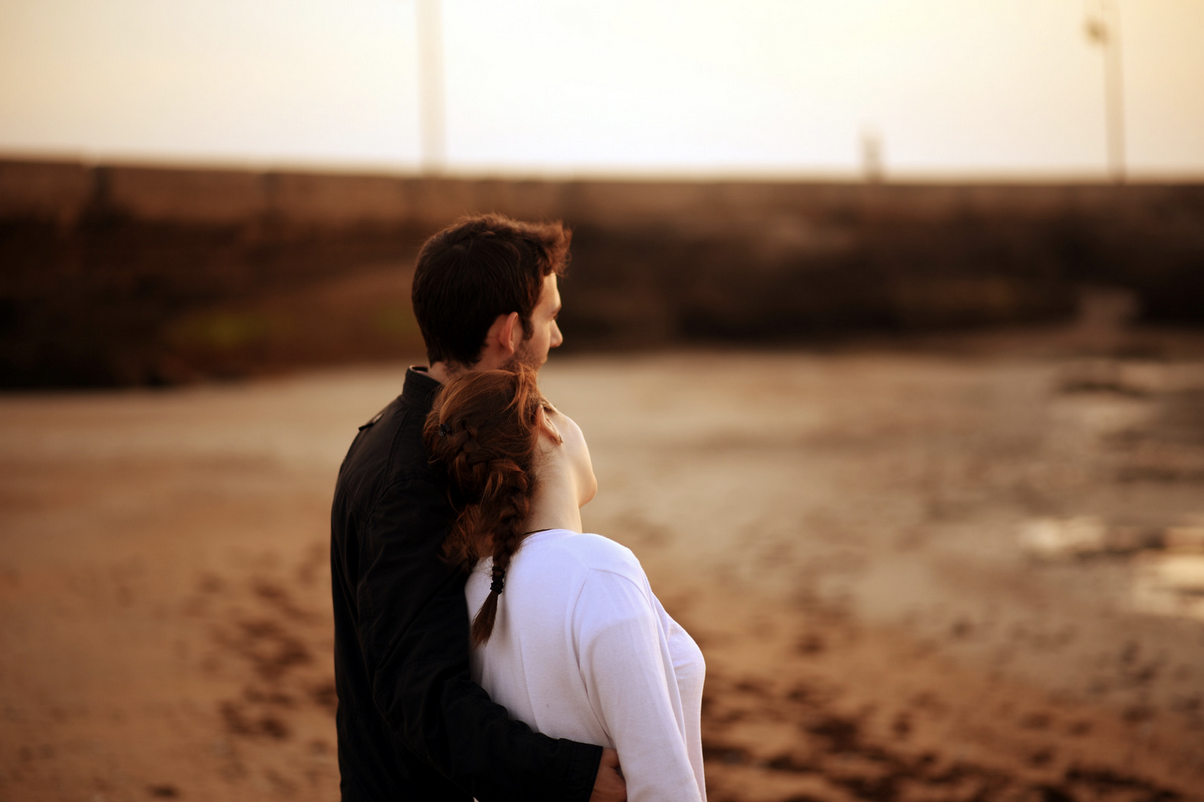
[{"x": 1169, "y": 584}]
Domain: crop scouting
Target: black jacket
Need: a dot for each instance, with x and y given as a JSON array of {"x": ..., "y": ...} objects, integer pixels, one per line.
[{"x": 411, "y": 723}]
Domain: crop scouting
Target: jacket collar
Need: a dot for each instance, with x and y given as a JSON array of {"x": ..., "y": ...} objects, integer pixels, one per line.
[{"x": 419, "y": 389}]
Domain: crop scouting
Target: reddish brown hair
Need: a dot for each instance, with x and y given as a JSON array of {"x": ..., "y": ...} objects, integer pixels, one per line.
[{"x": 484, "y": 430}]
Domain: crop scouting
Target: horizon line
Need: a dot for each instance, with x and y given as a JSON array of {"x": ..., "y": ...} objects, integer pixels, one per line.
[{"x": 627, "y": 174}]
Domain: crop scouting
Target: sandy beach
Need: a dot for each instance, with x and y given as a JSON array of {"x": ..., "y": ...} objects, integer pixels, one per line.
[{"x": 920, "y": 574}]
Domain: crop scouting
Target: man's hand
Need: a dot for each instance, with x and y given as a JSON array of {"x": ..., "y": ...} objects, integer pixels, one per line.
[{"x": 609, "y": 787}]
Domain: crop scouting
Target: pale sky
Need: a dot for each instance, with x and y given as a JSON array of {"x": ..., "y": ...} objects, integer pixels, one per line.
[{"x": 974, "y": 89}]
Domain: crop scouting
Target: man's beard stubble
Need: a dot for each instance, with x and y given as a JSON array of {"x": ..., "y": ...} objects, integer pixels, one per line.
[{"x": 524, "y": 356}]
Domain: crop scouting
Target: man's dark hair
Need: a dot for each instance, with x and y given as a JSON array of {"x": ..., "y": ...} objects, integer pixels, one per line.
[{"x": 477, "y": 269}]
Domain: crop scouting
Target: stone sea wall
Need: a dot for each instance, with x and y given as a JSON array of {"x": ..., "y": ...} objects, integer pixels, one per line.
[{"x": 117, "y": 275}]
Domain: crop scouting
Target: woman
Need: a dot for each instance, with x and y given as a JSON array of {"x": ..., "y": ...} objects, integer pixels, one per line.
[{"x": 566, "y": 634}]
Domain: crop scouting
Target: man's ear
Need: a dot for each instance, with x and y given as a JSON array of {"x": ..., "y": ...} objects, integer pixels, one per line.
[{"x": 511, "y": 334}]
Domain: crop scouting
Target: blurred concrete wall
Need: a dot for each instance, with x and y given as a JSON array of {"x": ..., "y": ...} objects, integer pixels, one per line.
[
  {"x": 117, "y": 274},
  {"x": 66, "y": 193}
]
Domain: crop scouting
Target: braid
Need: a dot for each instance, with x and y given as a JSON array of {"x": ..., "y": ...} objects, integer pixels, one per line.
[
  {"x": 507, "y": 537},
  {"x": 483, "y": 430}
]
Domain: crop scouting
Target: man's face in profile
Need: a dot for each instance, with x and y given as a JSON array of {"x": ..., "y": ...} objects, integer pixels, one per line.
[{"x": 545, "y": 333}]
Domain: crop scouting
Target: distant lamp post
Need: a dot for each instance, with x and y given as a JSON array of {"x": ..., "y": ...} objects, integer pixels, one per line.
[
  {"x": 871, "y": 156},
  {"x": 1104, "y": 30},
  {"x": 430, "y": 87}
]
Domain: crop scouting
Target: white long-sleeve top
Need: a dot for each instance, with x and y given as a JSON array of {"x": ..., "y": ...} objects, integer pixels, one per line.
[{"x": 582, "y": 649}]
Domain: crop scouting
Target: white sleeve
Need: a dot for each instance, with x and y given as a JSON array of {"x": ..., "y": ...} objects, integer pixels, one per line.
[{"x": 632, "y": 689}]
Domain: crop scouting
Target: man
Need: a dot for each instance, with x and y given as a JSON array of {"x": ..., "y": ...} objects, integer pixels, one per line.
[{"x": 411, "y": 724}]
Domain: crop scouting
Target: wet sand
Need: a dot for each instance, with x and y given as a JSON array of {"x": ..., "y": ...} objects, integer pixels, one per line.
[{"x": 929, "y": 574}]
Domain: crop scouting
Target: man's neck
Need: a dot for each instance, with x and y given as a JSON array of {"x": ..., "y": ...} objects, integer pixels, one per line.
[{"x": 443, "y": 372}]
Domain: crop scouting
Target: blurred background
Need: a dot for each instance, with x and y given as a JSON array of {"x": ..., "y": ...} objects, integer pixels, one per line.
[
  {"x": 885, "y": 322},
  {"x": 184, "y": 187}
]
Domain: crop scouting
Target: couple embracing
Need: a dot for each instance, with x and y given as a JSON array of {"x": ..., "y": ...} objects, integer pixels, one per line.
[{"x": 484, "y": 645}]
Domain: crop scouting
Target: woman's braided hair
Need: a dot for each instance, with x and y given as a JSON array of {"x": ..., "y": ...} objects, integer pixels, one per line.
[{"x": 484, "y": 431}]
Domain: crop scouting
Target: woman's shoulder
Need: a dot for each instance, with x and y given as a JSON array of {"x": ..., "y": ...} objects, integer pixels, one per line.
[{"x": 583, "y": 551}]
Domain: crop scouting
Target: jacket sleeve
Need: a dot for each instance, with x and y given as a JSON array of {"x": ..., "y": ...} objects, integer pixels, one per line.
[
  {"x": 632, "y": 687},
  {"x": 414, "y": 629}
]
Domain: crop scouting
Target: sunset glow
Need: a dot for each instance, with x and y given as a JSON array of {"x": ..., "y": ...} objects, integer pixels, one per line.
[{"x": 1010, "y": 89}]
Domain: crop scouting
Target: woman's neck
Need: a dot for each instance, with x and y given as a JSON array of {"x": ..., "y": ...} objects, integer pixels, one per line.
[{"x": 554, "y": 505}]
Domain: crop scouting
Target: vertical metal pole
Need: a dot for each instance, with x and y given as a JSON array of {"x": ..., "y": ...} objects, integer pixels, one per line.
[
  {"x": 430, "y": 87},
  {"x": 1105, "y": 32},
  {"x": 1114, "y": 85},
  {"x": 871, "y": 155}
]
